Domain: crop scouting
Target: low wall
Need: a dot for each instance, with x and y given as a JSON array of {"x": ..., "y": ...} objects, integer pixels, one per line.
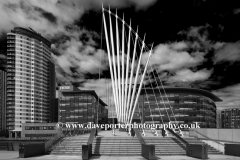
[
  {"x": 223, "y": 135},
  {"x": 219, "y": 146},
  {"x": 16, "y": 143}
]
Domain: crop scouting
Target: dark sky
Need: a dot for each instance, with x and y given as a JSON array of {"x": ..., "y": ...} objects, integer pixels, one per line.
[
  {"x": 171, "y": 21},
  {"x": 167, "y": 20}
]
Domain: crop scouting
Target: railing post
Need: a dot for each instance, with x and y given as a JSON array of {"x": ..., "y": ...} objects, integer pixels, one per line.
[{"x": 86, "y": 151}]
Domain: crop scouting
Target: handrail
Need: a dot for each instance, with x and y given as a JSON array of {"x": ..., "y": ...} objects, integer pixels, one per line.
[
  {"x": 53, "y": 139},
  {"x": 56, "y": 137},
  {"x": 140, "y": 138},
  {"x": 188, "y": 146},
  {"x": 179, "y": 137},
  {"x": 92, "y": 135},
  {"x": 24, "y": 138},
  {"x": 46, "y": 140},
  {"x": 208, "y": 138}
]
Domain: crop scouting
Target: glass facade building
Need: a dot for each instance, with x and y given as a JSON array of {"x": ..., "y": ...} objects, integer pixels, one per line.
[
  {"x": 180, "y": 105},
  {"x": 230, "y": 118},
  {"x": 30, "y": 79},
  {"x": 81, "y": 106}
]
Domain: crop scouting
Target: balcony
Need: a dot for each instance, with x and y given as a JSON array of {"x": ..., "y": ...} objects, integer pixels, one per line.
[
  {"x": 10, "y": 49},
  {"x": 11, "y": 116},
  {"x": 10, "y": 66},
  {"x": 10, "y": 86},
  {"x": 10, "y": 41},
  {"x": 9, "y": 99}
]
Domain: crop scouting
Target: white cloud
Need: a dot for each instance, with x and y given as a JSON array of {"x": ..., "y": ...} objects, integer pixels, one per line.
[
  {"x": 76, "y": 59},
  {"x": 228, "y": 52},
  {"x": 51, "y": 18},
  {"x": 139, "y": 4},
  {"x": 230, "y": 96},
  {"x": 27, "y": 13},
  {"x": 2, "y": 56},
  {"x": 167, "y": 58},
  {"x": 103, "y": 88},
  {"x": 197, "y": 38},
  {"x": 186, "y": 75},
  {"x": 179, "y": 45},
  {"x": 218, "y": 45}
]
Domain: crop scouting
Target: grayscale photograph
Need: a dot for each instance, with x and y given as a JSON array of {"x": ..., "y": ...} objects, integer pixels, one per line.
[{"x": 119, "y": 79}]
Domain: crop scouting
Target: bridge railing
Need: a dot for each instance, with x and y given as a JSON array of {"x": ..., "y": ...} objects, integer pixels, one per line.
[
  {"x": 218, "y": 145},
  {"x": 210, "y": 139},
  {"x": 26, "y": 150},
  {"x": 24, "y": 139},
  {"x": 53, "y": 140},
  {"x": 192, "y": 150}
]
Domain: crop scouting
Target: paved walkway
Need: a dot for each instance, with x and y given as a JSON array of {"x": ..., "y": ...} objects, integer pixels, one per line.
[
  {"x": 11, "y": 155},
  {"x": 108, "y": 133}
]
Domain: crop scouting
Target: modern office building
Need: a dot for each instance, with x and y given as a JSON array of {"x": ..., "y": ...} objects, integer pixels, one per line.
[
  {"x": 112, "y": 116},
  {"x": 230, "y": 118},
  {"x": 2, "y": 100},
  {"x": 81, "y": 106},
  {"x": 180, "y": 105},
  {"x": 30, "y": 79}
]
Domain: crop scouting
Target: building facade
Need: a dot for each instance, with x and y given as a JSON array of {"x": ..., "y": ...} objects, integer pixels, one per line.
[
  {"x": 179, "y": 105},
  {"x": 2, "y": 100},
  {"x": 219, "y": 119},
  {"x": 30, "y": 79},
  {"x": 230, "y": 118},
  {"x": 112, "y": 116},
  {"x": 56, "y": 108},
  {"x": 81, "y": 106},
  {"x": 43, "y": 130}
]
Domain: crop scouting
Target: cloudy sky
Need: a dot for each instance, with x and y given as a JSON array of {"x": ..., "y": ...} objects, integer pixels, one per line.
[{"x": 196, "y": 42}]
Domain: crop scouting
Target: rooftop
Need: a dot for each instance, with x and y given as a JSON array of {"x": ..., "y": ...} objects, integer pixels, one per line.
[
  {"x": 72, "y": 89},
  {"x": 194, "y": 91},
  {"x": 31, "y": 33}
]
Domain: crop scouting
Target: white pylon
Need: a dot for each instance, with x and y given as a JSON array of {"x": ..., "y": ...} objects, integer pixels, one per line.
[{"x": 125, "y": 91}]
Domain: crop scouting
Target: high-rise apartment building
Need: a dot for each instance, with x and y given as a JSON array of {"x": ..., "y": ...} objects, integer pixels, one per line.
[
  {"x": 30, "y": 79},
  {"x": 2, "y": 100},
  {"x": 230, "y": 118}
]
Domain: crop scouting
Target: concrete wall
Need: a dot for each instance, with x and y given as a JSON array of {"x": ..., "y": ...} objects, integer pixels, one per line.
[
  {"x": 219, "y": 146},
  {"x": 16, "y": 143},
  {"x": 223, "y": 135}
]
